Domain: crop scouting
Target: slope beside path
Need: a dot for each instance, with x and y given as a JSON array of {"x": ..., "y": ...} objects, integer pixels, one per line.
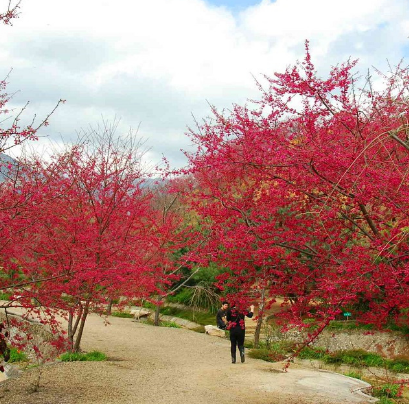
[{"x": 159, "y": 365}]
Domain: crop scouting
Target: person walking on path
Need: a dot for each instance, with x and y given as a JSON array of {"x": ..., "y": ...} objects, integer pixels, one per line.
[
  {"x": 221, "y": 316},
  {"x": 237, "y": 328}
]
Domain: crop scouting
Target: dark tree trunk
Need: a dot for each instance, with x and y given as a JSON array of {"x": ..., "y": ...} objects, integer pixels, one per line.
[
  {"x": 81, "y": 328},
  {"x": 259, "y": 319},
  {"x": 157, "y": 312},
  {"x": 72, "y": 326},
  {"x": 109, "y": 307}
]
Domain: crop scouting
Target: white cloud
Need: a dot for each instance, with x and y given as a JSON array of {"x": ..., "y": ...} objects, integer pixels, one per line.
[{"x": 156, "y": 62}]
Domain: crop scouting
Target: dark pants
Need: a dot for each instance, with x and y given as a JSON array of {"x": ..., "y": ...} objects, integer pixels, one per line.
[{"x": 236, "y": 339}]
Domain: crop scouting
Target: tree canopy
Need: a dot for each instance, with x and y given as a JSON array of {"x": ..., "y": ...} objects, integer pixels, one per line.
[{"x": 306, "y": 193}]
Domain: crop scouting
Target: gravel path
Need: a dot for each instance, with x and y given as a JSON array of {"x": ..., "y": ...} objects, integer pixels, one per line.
[{"x": 159, "y": 365}]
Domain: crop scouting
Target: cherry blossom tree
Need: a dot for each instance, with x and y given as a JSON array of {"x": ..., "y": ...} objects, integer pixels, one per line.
[
  {"x": 90, "y": 234},
  {"x": 12, "y": 133},
  {"x": 306, "y": 193},
  {"x": 179, "y": 240}
]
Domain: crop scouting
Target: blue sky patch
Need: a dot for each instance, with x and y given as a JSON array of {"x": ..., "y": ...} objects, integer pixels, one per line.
[{"x": 235, "y": 5}]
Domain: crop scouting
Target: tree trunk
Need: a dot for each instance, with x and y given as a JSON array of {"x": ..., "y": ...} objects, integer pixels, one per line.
[
  {"x": 109, "y": 307},
  {"x": 81, "y": 329},
  {"x": 259, "y": 319},
  {"x": 72, "y": 327},
  {"x": 258, "y": 329},
  {"x": 70, "y": 333},
  {"x": 157, "y": 311}
]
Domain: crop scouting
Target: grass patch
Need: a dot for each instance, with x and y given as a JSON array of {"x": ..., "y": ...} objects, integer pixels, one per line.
[
  {"x": 312, "y": 353},
  {"x": 93, "y": 356},
  {"x": 399, "y": 365},
  {"x": 267, "y": 355},
  {"x": 354, "y": 357},
  {"x": 355, "y": 375},
  {"x": 5, "y": 296},
  {"x": 169, "y": 324},
  {"x": 121, "y": 314}
]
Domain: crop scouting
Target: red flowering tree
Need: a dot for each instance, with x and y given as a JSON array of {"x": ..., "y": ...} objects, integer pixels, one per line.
[
  {"x": 10, "y": 136},
  {"x": 307, "y": 194},
  {"x": 178, "y": 242},
  {"x": 90, "y": 234}
]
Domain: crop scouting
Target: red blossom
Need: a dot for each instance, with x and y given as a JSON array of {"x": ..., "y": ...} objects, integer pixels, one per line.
[{"x": 305, "y": 192}]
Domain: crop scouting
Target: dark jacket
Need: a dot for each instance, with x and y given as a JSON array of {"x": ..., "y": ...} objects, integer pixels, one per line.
[
  {"x": 235, "y": 319},
  {"x": 219, "y": 319}
]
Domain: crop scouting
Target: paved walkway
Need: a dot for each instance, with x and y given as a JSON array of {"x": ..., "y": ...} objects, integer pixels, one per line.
[{"x": 159, "y": 365}]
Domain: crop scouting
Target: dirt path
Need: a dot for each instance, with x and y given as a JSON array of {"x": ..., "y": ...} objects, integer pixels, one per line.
[{"x": 158, "y": 365}]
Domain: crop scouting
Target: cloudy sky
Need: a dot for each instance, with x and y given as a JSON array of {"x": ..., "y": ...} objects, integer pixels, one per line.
[{"x": 154, "y": 64}]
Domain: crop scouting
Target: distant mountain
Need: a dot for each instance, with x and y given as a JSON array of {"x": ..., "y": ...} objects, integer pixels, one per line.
[
  {"x": 5, "y": 162},
  {"x": 152, "y": 182}
]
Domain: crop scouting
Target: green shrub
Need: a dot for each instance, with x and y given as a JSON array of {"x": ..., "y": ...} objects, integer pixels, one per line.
[
  {"x": 403, "y": 328},
  {"x": 283, "y": 347},
  {"x": 93, "y": 356},
  {"x": 267, "y": 355},
  {"x": 121, "y": 314},
  {"x": 263, "y": 354},
  {"x": 207, "y": 275},
  {"x": 17, "y": 356},
  {"x": 355, "y": 357},
  {"x": 387, "y": 390},
  {"x": 385, "y": 400},
  {"x": 148, "y": 305},
  {"x": 372, "y": 359},
  {"x": 202, "y": 318},
  {"x": 171, "y": 311},
  {"x": 312, "y": 353},
  {"x": 72, "y": 357},
  {"x": 278, "y": 352},
  {"x": 183, "y": 297}
]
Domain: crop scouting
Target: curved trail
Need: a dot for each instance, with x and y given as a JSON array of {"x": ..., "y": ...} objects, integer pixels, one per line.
[{"x": 159, "y": 365}]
